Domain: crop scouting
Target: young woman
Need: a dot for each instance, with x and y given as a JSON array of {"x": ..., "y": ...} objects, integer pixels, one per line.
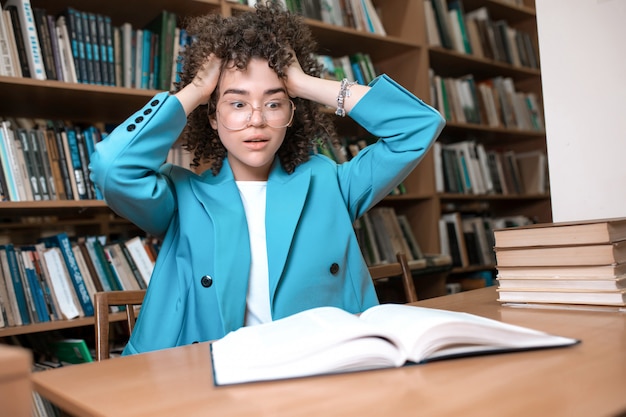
[{"x": 265, "y": 230}]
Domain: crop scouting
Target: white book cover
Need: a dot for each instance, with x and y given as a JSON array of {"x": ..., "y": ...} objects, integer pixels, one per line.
[
  {"x": 31, "y": 40},
  {"x": 61, "y": 285}
]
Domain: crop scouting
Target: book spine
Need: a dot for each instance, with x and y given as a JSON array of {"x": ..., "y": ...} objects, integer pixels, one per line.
[
  {"x": 45, "y": 43},
  {"x": 93, "y": 70},
  {"x": 11, "y": 186},
  {"x": 64, "y": 166},
  {"x": 103, "y": 260},
  {"x": 77, "y": 169},
  {"x": 19, "y": 41},
  {"x": 44, "y": 279},
  {"x": 110, "y": 51},
  {"x": 18, "y": 287},
  {"x": 38, "y": 164},
  {"x": 5, "y": 300},
  {"x": 133, "y": 266},
  {"x": 15, "y": 318},
  {"x": 77, "y": 44},
  {"x": 30, "y": 38},
  {"x": 61, "y": 285},
  {"x": 137, "y": 249},
  {"x": 83, "y": 154},
  {"x": 31, "y": 302},
  {"x": 54, "y": 47},
  {"x": 62, "y": 241},
  {"x": 100, "y": 35},
  {"x": 32, "y": 175},
  {"x": 41, "y": 309},
  {"x": 41, "y": 146},
  {"x": 17, "y": 172},
  {"x": 98, "y": 268},
  {"x": 6, "y": 55}
]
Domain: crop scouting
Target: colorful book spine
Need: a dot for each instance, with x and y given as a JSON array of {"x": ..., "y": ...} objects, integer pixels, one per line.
[
  {"x": 62, "y": 241},
  {"x": 31, "y": 40},
  {"x": 18, "y": 287}
]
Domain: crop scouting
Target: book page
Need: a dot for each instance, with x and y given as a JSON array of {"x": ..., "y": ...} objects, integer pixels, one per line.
[
  {"x": 317, "y": 341},
  {"x": 426, "y": 333}
]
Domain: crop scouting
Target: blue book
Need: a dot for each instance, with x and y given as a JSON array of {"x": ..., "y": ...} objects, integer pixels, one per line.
[
  {"x": 5, "y": 161},
  {"x": 90, "y": 144},
  {"x": 77, "y": 165},
  {"x": 17, "y": 282},
  {"x": 146, "y": 59},
  {"x": 29, "y": 35},
  {"x": 62, "y": 241},
  {"x": 48, "y": 303},
  {"x": 35, "y": 289},
  {"x": 74, "y": 27}
]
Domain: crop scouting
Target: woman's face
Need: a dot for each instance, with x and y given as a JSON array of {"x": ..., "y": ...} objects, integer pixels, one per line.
[{"x": 252, "y": 144}]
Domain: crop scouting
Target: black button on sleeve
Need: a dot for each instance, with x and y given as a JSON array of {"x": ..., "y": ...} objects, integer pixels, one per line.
[
  {"x": 206, "y": 281},
  {"x": 139, "y": 119},
  {"x": 334, "y": 268},
  {"x": 131, "y": 127}
]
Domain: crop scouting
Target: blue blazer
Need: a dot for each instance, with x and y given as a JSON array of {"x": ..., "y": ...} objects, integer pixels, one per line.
[{"x": 198, "y": 288}]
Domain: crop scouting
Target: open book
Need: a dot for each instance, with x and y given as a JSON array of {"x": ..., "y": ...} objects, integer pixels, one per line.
[{"x": 330, "y": 340}]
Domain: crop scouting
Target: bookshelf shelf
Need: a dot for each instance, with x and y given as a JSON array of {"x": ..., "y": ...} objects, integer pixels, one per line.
[
  {"x": 55, "y": 325},
  {"x": 492, "y": 197},
  {"x": 454, "y": 64},
  {"x": 502, "y": 9},
  {"x": 69, "y": 101}
]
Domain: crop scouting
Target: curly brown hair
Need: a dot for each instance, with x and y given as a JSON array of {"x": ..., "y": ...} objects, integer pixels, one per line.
[{"x": 269, "y": 32}]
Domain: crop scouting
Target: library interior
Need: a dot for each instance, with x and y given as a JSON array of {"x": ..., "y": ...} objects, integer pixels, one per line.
[{"x": 480, "y": 226}]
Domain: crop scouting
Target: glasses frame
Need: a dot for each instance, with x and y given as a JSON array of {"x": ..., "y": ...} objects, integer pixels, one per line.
[{"x": 255, "y": 108}]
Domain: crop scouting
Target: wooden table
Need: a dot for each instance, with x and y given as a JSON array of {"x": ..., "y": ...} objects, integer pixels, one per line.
[
  {"x": 584, "y": 380},
  {"x": 15, "y": 384}
]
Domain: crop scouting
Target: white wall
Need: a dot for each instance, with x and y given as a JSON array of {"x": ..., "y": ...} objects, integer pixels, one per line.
[{"x": 582, "y": 45}]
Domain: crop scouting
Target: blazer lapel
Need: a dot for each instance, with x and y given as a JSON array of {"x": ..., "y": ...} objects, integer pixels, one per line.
[
  {"x": 286, "y": 195},
  {"x": 231, "y": 249}
]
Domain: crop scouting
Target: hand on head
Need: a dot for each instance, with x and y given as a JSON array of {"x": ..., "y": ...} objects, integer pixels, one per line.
[
  {"x": 207, "y": 77},
  {"x": 295, "y": 75}
]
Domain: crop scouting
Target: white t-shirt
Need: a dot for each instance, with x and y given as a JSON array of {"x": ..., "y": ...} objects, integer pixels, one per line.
[{"x": 253, "y": 195}]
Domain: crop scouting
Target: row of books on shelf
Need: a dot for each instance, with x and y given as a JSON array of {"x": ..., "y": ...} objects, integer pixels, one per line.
[
  {"x": 43, "y": 407},
  {"x": 476, "y": 33},
  {"x": 85, "y": 47},
  {"x": 345, "y": 148},
  {"x": 492, "y": 102},
  {"x": 57, "y": 277},
  {"x": 382, "y": 233},
  {"x": 573, "y": 264},
  {"x": 355, "y": 67},
  {"x": 469, "y": 238},
  {"x": 46, "y": 160},
  {"x": 357, "y": 14},
  {"x": 468, "y": 167}
]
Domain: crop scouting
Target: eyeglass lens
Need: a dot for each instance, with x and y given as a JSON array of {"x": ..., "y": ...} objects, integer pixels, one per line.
[{"x": 235, "y": 115}]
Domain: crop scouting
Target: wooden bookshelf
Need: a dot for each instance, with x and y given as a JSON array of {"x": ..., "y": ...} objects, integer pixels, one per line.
[
  {"x": 451, "y": 63},
  {"x": 403, "y": 54}
]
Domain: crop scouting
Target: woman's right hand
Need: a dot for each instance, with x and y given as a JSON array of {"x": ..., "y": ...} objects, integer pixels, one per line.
[{"x": 202, "y": 86}]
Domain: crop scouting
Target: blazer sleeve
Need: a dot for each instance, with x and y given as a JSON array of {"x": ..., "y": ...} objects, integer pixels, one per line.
[
  {"x": 128, "y": 166},
  {"x": 406, "y": 128}
]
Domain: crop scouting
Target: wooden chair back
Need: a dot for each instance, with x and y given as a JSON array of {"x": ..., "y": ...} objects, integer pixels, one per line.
[
  {"x": 401, "y": 269},
  {"x": 103, "y": 300}
]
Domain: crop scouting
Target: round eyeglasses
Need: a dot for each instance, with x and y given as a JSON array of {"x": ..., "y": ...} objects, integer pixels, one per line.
[{"x": 236, "y": 114}]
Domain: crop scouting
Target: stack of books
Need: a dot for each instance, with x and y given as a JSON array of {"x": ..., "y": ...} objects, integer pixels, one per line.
[{"x": 581, "y": 263}]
